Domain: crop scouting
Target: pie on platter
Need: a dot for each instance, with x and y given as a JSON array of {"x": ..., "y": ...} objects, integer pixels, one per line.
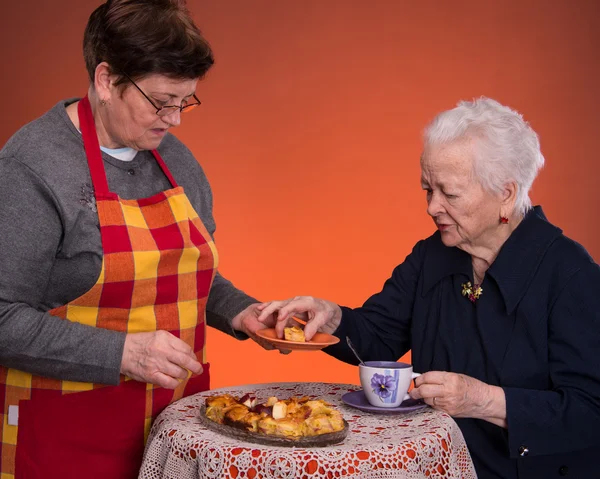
[{"x": 299, "y": 422}]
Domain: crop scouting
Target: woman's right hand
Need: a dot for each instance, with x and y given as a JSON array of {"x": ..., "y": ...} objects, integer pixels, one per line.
[
  {"x": 319, "y": 314},
  {"x": 158, "y": 357}
]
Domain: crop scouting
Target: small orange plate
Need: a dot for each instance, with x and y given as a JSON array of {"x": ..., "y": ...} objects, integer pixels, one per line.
[{"x": 319, "y": 341}]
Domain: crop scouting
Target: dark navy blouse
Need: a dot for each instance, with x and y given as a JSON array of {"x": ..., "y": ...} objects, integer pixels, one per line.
[{"x": 535, "y": 332}]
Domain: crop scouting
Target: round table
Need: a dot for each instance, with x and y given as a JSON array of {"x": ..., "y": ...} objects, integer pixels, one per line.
[{"x": 420, "y": 444}]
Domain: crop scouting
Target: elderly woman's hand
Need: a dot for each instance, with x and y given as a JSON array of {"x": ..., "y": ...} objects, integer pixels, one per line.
[
  {"x": 319, "y": 314},
  {"x": 461, "y": 396},
  {"x": 159, "y": 358},
  {"x": 247, "y": 322}
]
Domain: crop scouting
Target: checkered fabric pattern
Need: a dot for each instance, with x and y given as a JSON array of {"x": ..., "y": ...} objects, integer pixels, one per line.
[{"x": 158, "y": 266}]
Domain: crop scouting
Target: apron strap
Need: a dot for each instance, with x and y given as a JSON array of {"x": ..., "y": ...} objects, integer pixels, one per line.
[
  {"x": 164, "y": 168},
  {"x": 92, "y": 147},
  {"x": 94, "y": 156}
]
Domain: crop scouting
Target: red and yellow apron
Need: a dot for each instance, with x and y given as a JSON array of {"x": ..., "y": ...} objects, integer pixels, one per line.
[{"x": 157, "y": 269}]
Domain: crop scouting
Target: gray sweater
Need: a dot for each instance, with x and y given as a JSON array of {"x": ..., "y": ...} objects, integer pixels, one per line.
[{"x": 51, "y": 251}]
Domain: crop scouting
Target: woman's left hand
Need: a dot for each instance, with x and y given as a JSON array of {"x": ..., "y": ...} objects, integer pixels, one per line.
[
  {"x": 247, "y": 322},
  {"x": 461, "y": 396}
]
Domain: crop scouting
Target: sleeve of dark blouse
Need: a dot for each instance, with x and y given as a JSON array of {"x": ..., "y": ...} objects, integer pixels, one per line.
[
  {"x": 32, "y": 340},
  {"x": 380, "y": 328},
  {"x": 567, "y": 416}
]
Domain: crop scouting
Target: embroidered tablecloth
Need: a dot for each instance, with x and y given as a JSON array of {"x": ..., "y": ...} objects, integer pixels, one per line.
[{"x": 420, "y": 444}]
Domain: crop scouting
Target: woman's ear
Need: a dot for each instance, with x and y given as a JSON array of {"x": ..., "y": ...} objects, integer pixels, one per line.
[
  {"x": 103, "y": 82},
  {"x": 509, "y": 198}
]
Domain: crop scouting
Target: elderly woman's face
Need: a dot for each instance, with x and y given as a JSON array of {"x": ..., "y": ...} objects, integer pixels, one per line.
[
  {"x": 131, "y": 120},
  {"x": 466, "y": 215}
]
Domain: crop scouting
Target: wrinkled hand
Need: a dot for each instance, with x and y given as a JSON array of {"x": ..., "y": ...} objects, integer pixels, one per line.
[
  {"x": 461, "y": 396},
  {"x": 159, "y": 358},
  {"x": 247, "y": 322},
  {"x": 319, "y": 314}
]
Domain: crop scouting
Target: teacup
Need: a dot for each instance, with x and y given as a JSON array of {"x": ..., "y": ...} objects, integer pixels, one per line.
[{"x": 385, "y": 383}]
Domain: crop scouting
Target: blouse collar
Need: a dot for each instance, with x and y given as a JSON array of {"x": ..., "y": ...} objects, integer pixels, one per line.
[{"x": 513, "y": 268}]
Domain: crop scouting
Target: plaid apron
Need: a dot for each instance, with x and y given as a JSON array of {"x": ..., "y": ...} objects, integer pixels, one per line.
[{"x": 157, "y": 269}]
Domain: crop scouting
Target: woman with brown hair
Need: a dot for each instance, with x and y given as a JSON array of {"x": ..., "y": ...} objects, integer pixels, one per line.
[{"x": 108, "y": 266}]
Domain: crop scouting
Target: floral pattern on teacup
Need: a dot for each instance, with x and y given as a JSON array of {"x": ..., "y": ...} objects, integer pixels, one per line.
[{"x": 383, "y": 386}]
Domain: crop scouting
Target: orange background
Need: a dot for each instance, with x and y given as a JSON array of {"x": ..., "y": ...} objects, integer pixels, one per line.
[{"x": 310, "y": 130}]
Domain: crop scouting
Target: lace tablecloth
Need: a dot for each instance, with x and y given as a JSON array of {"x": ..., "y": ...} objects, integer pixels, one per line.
[{"x": 421, "y": 444}]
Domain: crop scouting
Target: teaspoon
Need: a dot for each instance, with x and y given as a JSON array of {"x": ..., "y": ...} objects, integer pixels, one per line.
[{"x": 351, "y": 346}]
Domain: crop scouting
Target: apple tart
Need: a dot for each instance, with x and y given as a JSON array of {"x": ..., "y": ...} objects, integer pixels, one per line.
[
  {"x": 294, "y": 334},
  {"x": 292, "y": 418}
]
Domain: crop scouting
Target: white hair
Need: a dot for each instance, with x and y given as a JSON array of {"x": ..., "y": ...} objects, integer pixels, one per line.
[{"x": 506, "y": 147}]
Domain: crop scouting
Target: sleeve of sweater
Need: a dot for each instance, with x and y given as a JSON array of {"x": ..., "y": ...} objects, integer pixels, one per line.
[
  {"x": 32, "y": 340},
  {"x": 380, "y": 328},
  {"x": 566, "y": 416},
  {"x": 225, "y": 301}
]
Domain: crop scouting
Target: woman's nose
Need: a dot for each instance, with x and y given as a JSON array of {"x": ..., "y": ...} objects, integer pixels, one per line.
[
  {"x": 434, "y": 205},
  {"x": 173, "y": 118}
]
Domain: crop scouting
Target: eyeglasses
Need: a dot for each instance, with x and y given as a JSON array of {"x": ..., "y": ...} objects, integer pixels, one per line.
[{"x": 167, "y": 109}]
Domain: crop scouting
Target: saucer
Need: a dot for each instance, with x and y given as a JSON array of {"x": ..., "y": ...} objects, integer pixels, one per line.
[
  {"x": 318, "y": 341},
  {"x": 358, "y": 400}
]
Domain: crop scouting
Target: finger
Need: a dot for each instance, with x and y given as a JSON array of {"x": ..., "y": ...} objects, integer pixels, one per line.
[
  {"x": 269, "y": 309},
  {"x": 252, "y": 323},
  {"x": 164, "y": 381},
  {"x": 282, "y": 323},
  {"x": 253, "y": 326},
  {"x": 432, "y": 377},
  {"x": 298, "y": 307},
  {"x": 314, "y": 324},
  {"x": 174, "y": 371},
  {"x": 167, "y": 342},
  {"x": 427, "y": 391},
  {"x": 311, "y": 328},
  {"x": 262, "y": 306},
  {"x": 181, "y": 346},
  {"x": 185, "y": 361},
  {"x": 301, "y": 318},
  {"x": 414, "y": 394}
]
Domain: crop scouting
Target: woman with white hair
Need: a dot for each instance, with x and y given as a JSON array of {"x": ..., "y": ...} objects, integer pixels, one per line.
[{"x": 498, "y": 306}]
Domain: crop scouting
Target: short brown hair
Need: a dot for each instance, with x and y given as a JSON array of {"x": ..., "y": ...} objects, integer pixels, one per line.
[{"x": 143, "y": 37}]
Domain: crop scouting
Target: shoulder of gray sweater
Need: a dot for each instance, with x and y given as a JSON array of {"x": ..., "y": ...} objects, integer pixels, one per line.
[{"x": 45, "y": 142}]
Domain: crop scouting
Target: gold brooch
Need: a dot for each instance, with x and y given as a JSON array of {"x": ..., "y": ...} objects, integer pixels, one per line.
[{"x": 471, "y": 292}]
